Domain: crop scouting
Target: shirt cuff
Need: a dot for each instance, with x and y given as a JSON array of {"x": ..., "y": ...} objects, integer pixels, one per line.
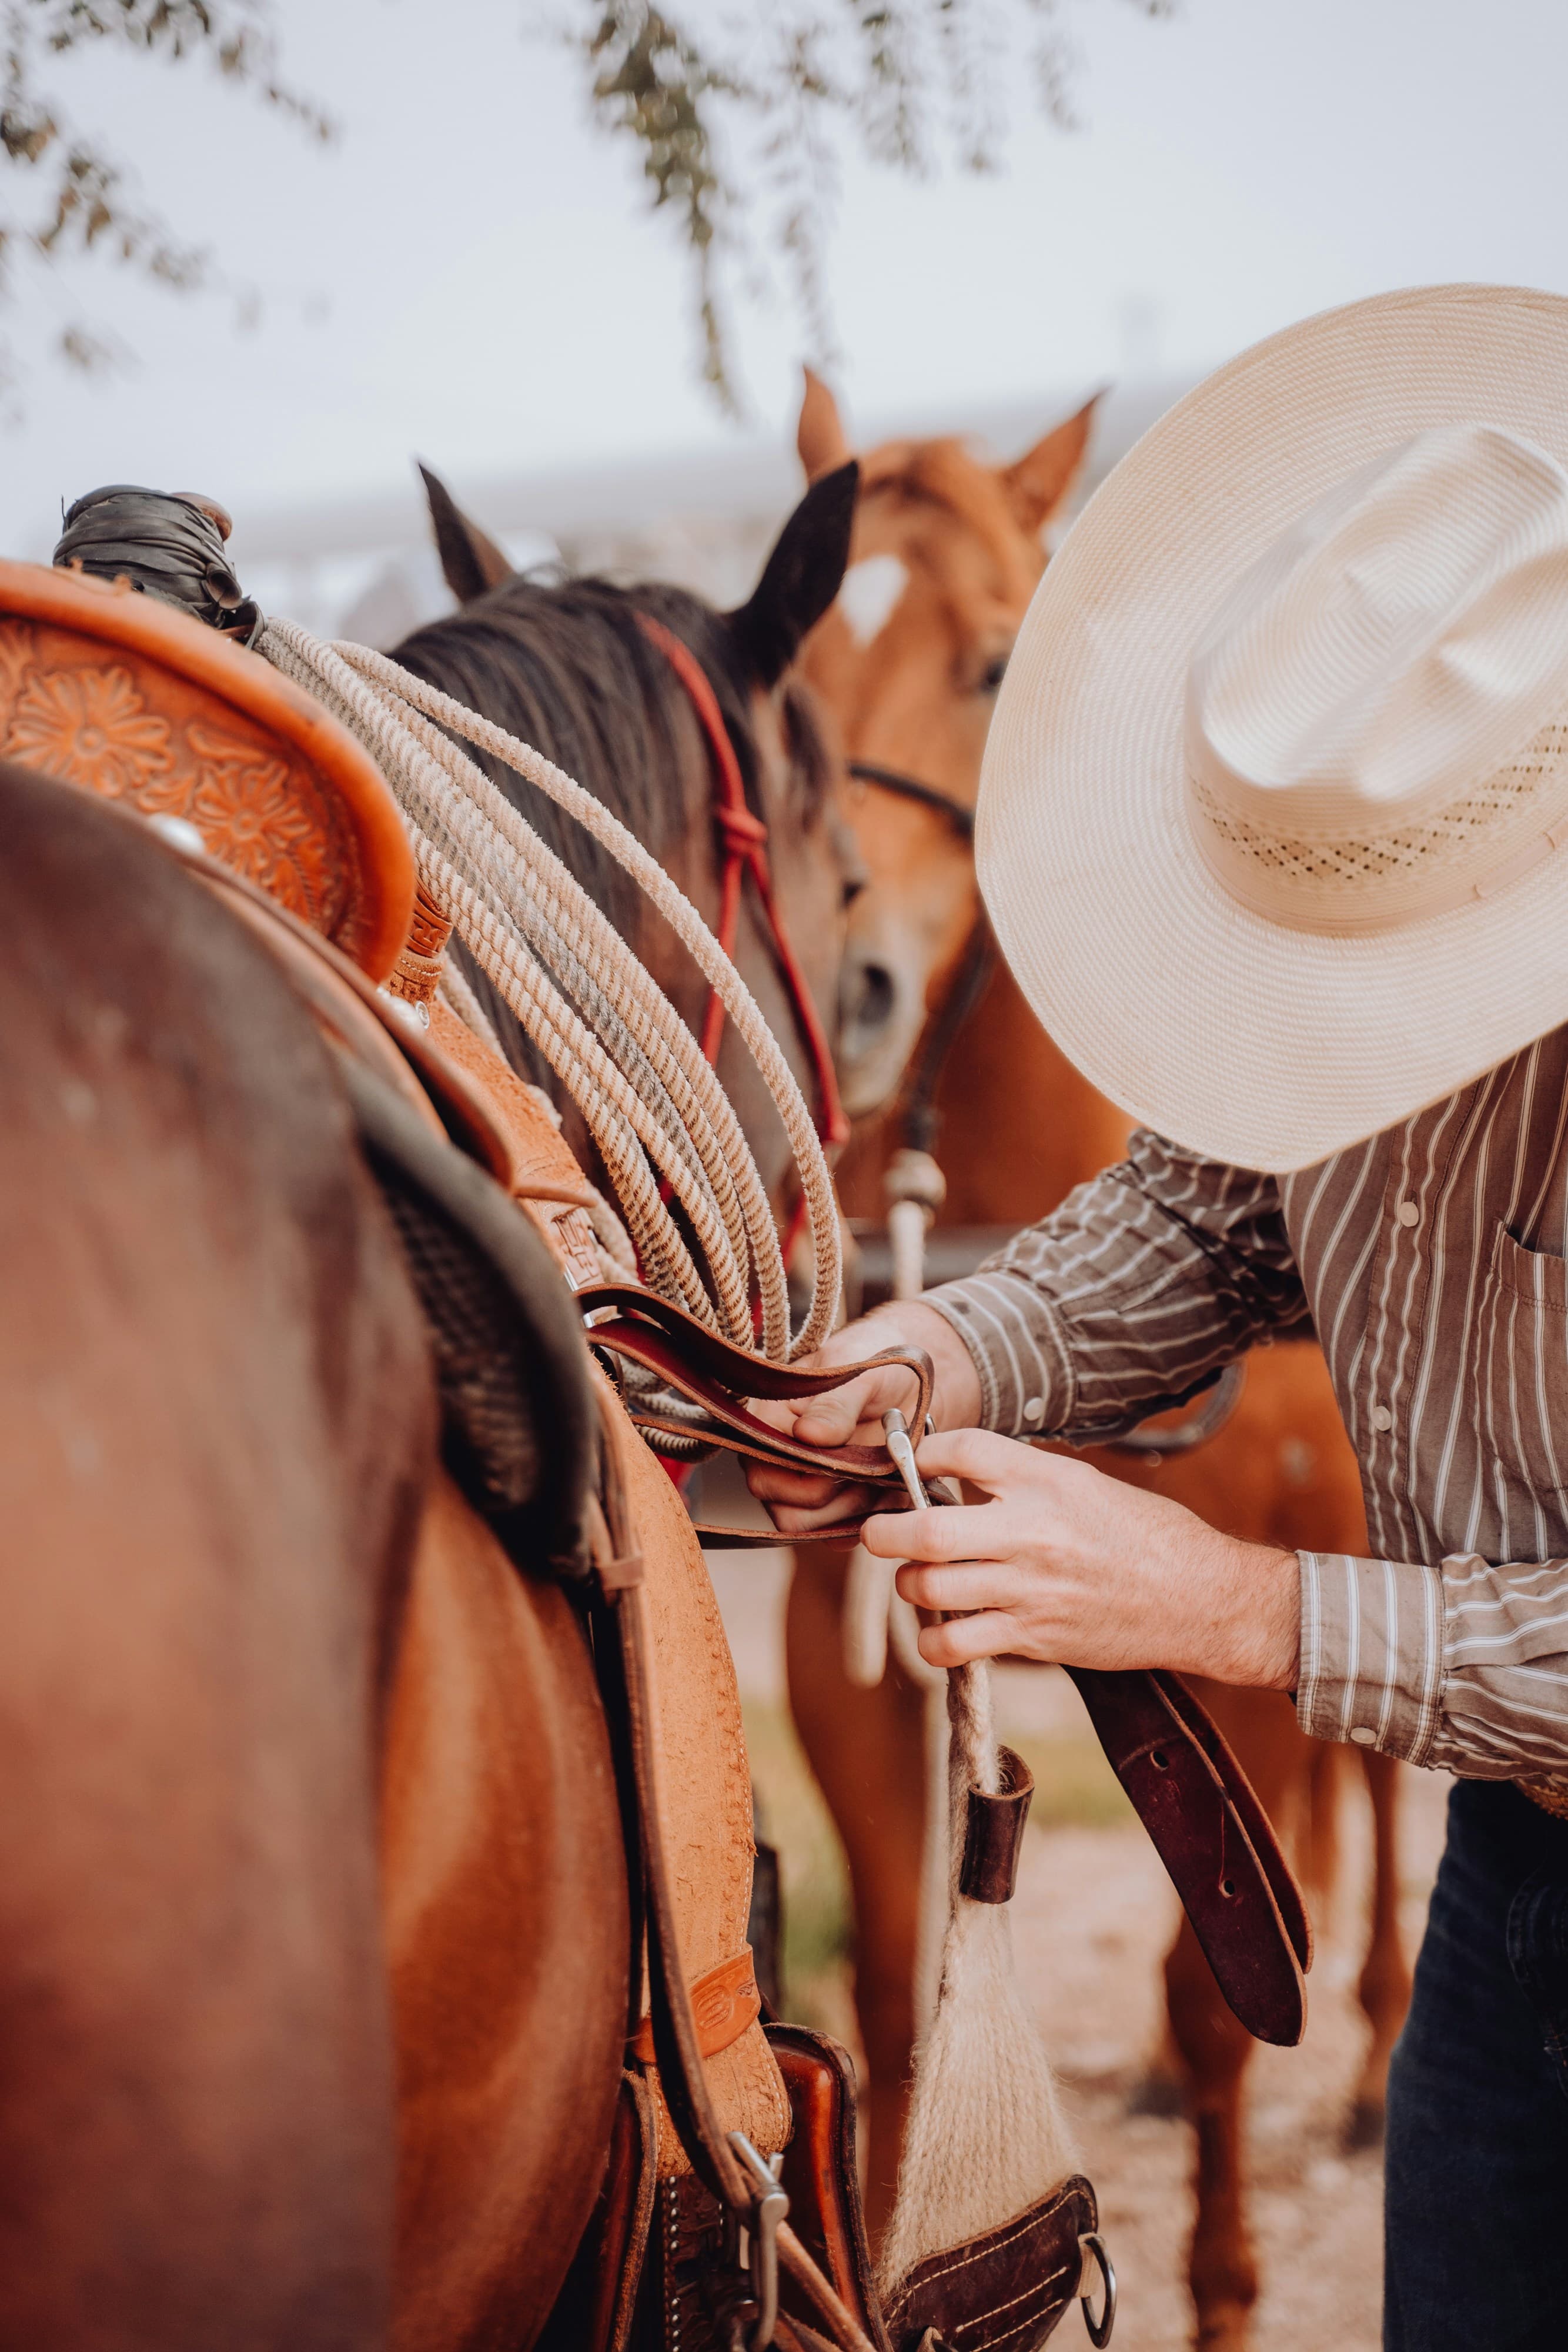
[
  {"x": 1015, "y": 1339},
  {"x": 1372, "y": 1652}
]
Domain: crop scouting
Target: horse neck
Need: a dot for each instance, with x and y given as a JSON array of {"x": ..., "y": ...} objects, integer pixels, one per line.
[{"x": 1017, "y": 1125}]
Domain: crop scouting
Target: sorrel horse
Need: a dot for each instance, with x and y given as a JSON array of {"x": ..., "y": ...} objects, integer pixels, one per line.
[
  {"x": 946, "y": 555},
  {"x": 259, "y": 1656}
]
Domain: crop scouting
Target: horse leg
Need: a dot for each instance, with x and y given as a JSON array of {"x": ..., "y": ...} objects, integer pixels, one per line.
[
  {"x": 1383, "y": 1989},
  {"x": 1217, "y": 2049},
  {"x": 867, "y": 1749}
]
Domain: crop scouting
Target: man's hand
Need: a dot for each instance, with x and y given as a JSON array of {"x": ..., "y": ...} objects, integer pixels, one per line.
[
  {"x": 1064, "y": 1564},
  {"x": 852, "y": 1414}
]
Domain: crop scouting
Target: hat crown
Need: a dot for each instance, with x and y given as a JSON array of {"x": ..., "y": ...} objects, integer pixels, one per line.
[{"x": 1397, "y": 647}]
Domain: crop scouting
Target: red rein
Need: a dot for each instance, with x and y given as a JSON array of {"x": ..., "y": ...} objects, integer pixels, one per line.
[{"x": 745, "y": 838}]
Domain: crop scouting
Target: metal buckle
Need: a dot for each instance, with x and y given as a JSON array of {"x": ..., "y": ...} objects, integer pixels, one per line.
[
  {"x": 759, "y": 2237},
  {"x": 1092, "y": 2245}
]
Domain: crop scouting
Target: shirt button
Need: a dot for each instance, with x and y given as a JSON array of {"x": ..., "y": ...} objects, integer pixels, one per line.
[
  {"x": 1408, "y": 1213},
  {"x": 1361, "y": 1736},
  {"x": 1034, "y": 1409},
  {"x": 1381, "y": 1417}
]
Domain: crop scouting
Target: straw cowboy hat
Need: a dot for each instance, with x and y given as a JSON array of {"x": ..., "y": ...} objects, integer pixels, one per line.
[{"x": 1273, "y": 826}]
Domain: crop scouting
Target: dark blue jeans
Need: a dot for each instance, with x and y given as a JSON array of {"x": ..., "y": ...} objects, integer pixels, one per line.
[{"x": 1476, "y": 2227}]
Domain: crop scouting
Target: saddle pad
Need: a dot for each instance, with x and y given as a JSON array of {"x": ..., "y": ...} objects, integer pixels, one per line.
[{"x": 115, "y": 691}]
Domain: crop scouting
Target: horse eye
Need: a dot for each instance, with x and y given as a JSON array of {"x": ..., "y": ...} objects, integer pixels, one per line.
[{"x": 991, "y": 677}]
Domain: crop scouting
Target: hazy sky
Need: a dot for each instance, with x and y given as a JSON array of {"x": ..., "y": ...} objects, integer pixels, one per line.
[{"x": 470, "y": 272}]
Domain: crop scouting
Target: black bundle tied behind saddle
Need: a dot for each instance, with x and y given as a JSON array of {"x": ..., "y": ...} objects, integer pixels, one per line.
[{"x": 166, "y": 543}]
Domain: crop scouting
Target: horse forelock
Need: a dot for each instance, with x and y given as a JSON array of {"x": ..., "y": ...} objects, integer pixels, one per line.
[{"x": 962, "y": 493}]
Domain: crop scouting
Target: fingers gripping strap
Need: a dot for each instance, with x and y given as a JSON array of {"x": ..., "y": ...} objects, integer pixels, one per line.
[{"x": 684, "y": 1355}]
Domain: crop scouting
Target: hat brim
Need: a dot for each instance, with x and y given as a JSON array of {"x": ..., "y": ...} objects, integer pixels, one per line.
[{"x": 1256, "y": 1044}]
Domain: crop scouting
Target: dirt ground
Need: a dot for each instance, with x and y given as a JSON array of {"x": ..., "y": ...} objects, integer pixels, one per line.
[{"x": 1093, "y": 1915}]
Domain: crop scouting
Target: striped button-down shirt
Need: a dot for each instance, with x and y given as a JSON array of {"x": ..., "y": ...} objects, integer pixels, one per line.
[{"x": 1433, "y": 1264}]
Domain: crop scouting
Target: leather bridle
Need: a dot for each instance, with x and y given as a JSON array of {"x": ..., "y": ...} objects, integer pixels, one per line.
[
  {"x": 744, "y": 836},
  {"x": 917, "y": 1120},
  {"x": 959, "y": 815}
]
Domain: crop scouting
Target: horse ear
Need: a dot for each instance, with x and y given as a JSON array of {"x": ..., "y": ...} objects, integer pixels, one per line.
[
  {"x": 819, "y": 437},
  {"x": 470, "y": 558},
  {"x": 1037, "y": 482},
  {"x": 800, "y": 578}
]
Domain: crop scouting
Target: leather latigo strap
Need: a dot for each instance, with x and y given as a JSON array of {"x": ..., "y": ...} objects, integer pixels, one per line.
[
  {"x": 709, "y": 1372},
  {"x": 1215, "y": 1840}
]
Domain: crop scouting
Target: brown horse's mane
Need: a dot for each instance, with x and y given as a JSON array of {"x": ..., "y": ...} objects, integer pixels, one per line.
[{"x": 564, "y": 665}]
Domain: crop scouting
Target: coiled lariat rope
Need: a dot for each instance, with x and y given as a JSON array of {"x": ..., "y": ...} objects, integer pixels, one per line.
[{"x": 654, "y": 1107}]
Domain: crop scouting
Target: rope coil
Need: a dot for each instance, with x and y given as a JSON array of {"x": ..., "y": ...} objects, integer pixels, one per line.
[{"x": 654, "y": 1107}]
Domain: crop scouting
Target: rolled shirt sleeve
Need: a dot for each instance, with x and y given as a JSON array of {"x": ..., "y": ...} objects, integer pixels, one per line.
[
  {"x": 1462, "y": 1665},
  {"x": 1131, "y": 1297}
]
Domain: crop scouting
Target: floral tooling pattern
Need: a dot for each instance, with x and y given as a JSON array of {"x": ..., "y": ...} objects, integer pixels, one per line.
[
  {"x": 90, "y": 727},
  {"x": 137, "y": 734}
]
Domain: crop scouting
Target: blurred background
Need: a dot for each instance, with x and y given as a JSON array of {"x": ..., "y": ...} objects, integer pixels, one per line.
[
  {"x": 276, "y": 252},
  {"x": 469, "y": 266}
]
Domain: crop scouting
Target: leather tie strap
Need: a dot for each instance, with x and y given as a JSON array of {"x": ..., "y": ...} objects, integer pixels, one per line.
[
  {"x": 993, "y": 1832},
  {"x": 1215, "y": 1840}
]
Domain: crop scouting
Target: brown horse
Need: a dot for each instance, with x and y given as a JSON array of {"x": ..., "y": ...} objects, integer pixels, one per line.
[
  {"x": 570, "y": 667},
  {"x": 309, "y": 1808},
  {"x": 429, "y": 2178},
  {"x": 946, "y": 555}
]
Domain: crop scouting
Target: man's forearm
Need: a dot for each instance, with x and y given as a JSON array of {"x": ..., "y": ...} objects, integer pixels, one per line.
[{"x": 1140, "y": 1288}]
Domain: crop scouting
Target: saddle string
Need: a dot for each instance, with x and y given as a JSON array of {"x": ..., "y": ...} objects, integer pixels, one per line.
[{"x": 638, "y": 1076}]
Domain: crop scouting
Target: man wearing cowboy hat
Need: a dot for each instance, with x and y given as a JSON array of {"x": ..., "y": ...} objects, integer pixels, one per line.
[{"x": 1273, "y": 831}]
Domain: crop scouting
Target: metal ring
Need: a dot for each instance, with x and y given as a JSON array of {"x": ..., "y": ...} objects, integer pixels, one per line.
[{"x": 1092, "y": 2243}]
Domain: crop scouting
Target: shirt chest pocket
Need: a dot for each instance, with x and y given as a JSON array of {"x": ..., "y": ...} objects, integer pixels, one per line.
[{"x": 1521, "y": 1381}]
